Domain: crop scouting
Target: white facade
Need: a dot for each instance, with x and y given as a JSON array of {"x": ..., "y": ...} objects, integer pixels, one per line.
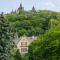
[{"x": 23, "y": 43}]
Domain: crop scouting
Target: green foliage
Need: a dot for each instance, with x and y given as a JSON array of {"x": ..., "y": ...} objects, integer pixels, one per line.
[
  {"x": 45, "y": 24},
  {"x": 31, "y": 22},
  {"x": 7, "y": 46},
  {"x": 5, "y": 39},
  {"x": 17, "y": 55},
  {"x": 25, "y": 56},
  {"x": 46, "y": 47}
]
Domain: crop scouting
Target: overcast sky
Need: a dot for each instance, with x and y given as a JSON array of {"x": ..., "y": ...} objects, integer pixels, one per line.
[{"x": 8, "y": 5}]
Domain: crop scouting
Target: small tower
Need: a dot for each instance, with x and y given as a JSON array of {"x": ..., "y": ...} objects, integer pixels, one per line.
[
  {"x": 33, "y": 9},
  {"x": 20, "y": 9}
]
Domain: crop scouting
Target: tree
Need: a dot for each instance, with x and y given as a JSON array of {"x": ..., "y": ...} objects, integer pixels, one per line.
[
  {"x": 4, "y": 38},
  {"x": 46, "y": 47},
  {"x": 17, "y": 55}
]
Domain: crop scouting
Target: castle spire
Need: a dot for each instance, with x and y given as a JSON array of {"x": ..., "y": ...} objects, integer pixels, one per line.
[
  {"x": 33, "y": 8},
  {"x": 21, "y": 8}
]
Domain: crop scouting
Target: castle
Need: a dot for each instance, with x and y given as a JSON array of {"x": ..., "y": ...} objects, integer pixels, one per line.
[{"x": 21, "y": 9}]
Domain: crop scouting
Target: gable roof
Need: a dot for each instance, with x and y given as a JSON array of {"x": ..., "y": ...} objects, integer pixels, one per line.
[{"x": 22, "y": 38}]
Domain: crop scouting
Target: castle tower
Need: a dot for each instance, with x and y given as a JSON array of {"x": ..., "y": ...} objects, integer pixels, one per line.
[
  {"x": 20, "y": 9},
  {"x": 33, "y": 8}
]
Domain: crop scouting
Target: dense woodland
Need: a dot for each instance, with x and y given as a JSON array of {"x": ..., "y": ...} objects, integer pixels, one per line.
[{"x": 42, "y": 23}]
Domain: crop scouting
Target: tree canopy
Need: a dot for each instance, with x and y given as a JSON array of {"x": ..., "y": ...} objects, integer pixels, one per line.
[{"x": 47, "y": 46}]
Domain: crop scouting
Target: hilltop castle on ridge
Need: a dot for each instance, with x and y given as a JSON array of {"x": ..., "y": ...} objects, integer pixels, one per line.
[{"x": 21, "y": 9}]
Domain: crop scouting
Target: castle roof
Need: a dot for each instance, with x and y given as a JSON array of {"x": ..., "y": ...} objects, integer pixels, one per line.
[
  {"x": 20, "y": 7},
  {"x": 33, "y": 8}
]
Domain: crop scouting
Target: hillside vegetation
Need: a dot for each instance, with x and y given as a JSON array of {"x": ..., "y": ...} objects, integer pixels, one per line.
[
  {"x": 31, "y": 23},
  {"x": 43, "y": 24},
  {"x": 47, "y": 46}
]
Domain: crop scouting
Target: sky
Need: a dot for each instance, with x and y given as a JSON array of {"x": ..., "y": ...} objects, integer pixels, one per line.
[{"x": 9, "y": 5}]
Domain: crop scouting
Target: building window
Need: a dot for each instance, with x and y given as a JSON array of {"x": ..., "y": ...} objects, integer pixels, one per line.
[
  {"x": 24, "y": 49},
  {"x": 23, "y": 44}
]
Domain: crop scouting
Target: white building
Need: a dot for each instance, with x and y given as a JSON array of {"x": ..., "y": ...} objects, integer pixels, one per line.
[{"x": 23, "y": 43}]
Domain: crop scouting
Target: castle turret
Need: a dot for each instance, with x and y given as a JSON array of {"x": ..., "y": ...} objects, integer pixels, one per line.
[
  {"x": 33, "y": 9},
  {"x": 21, "y": 8}
]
